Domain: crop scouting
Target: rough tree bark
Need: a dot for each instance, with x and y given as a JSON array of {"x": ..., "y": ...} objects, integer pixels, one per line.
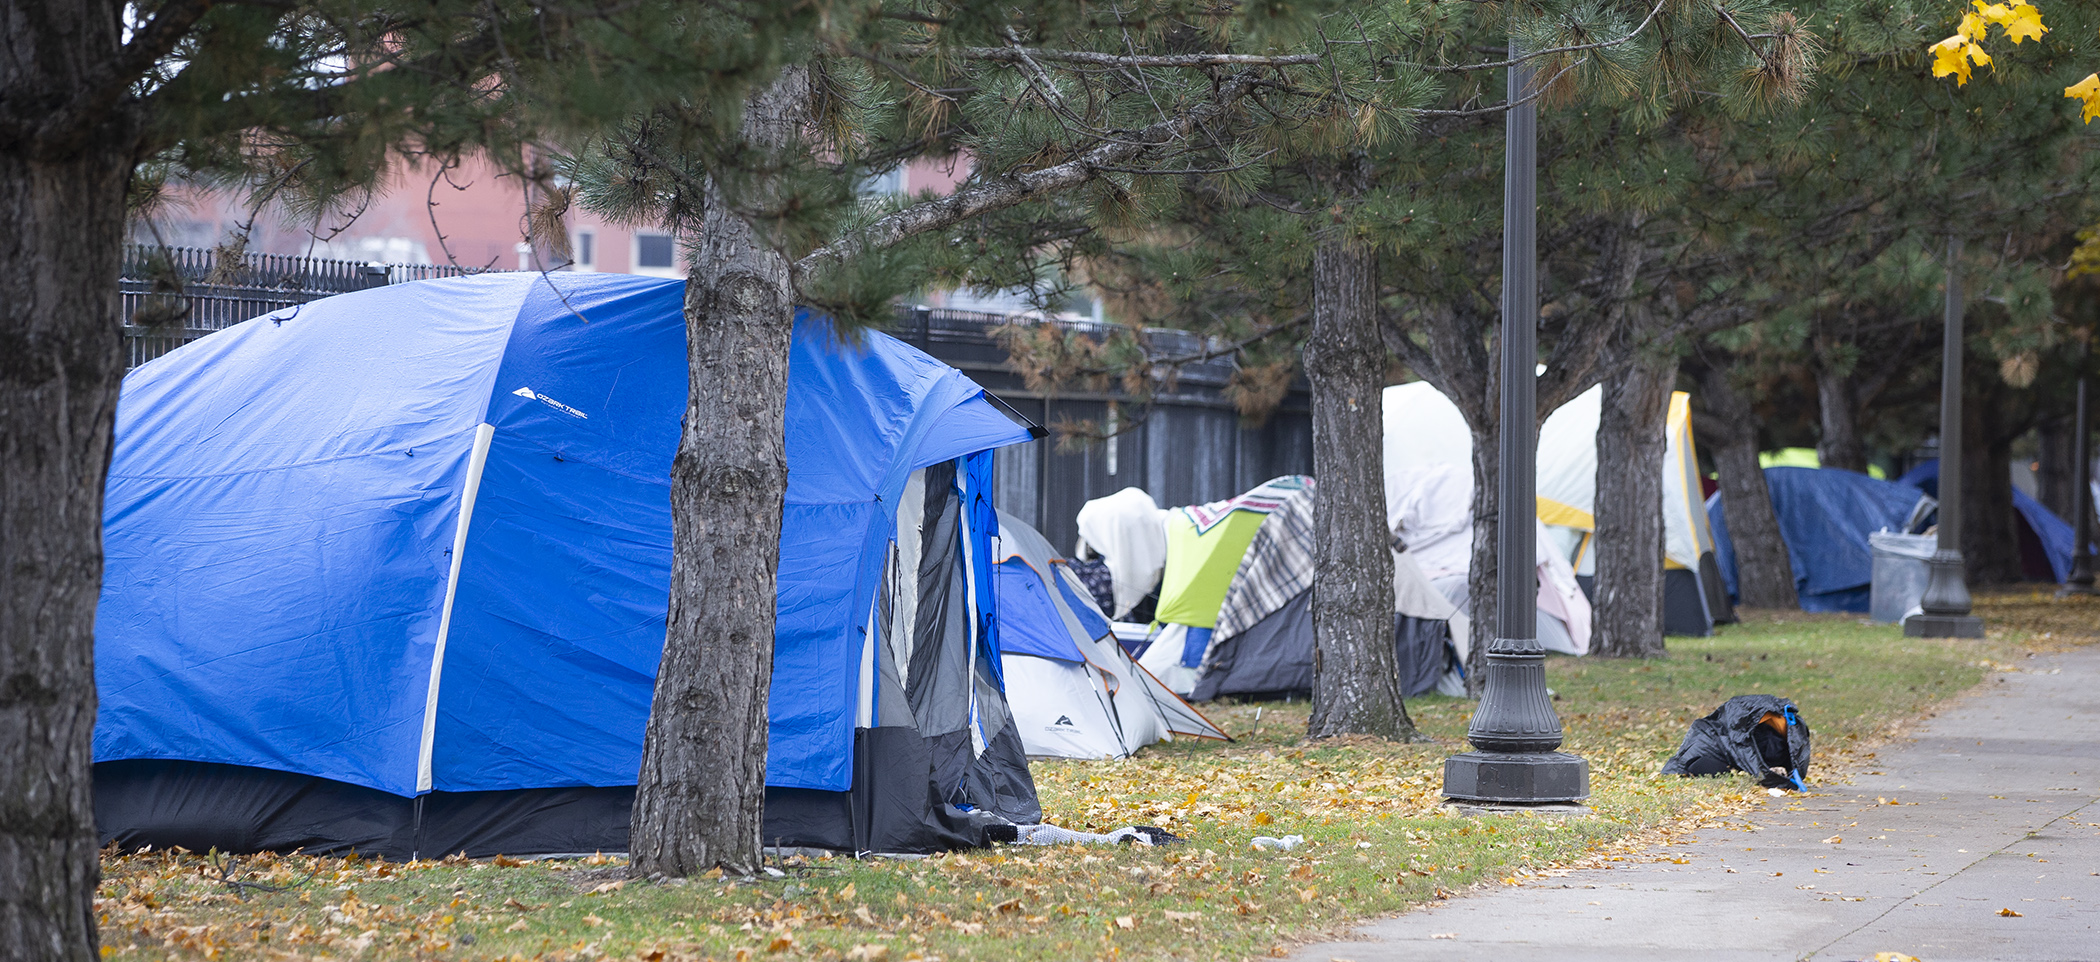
[
  {"x": 1631, "y": 446},
  {"x": 1839, "y": 444},
  {"x": 1764, "y": 573},
  {"x": 62, "y": 199},
  {"x": 1990, "y": 537},
  {"x": 700, "y": 796},
  {"x": 2056, "y": 464},
  {"x": 1356, "y": 680}
]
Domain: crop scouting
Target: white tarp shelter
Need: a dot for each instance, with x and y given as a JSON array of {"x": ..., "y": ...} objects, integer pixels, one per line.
[{"x": 1427, "y": 443}]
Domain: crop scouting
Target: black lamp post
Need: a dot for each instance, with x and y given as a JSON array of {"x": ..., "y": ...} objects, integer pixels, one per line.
[
  {"x": 1946, "y": 600},
  {"x": 2080, "y": 581},
  {"x": 1514, "y": 730}
]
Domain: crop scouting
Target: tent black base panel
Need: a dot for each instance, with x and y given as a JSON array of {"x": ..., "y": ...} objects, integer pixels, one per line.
[
  {"x": 1717, "y": 602},
  {"x": 236, "y": 809},
  {"x": 1686, "y": 607},
  {"x": 239, "y": 810},
  {"x": 1274, "y": 658},
  {"x": 1685, "y": 610}
]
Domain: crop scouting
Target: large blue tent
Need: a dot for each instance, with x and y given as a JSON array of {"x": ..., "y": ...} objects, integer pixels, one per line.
[
  {"x": 416, "y": 540},
  {"x": 1824, "y": 517}
]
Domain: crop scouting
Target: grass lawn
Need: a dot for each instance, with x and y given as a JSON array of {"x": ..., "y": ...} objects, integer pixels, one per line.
[{"x": 1377, "y": 842}]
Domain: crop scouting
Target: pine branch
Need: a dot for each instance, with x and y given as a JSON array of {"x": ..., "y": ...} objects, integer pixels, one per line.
[
  {"x": 1550, "y": 51},
  {"x": 1017, "y": 54},
  {"x": 1018, "y": 188}
]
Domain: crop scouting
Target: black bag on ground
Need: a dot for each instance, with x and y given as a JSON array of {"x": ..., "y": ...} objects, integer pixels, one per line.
[{"x": 1752, "y": 733}]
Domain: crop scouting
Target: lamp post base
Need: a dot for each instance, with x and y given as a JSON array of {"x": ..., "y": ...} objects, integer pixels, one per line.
[
  {"x": 1942, "y": 626},
  {"x": 1517, "y": 778}
]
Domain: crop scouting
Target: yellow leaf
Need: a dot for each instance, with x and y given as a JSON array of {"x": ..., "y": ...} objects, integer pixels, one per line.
[
  {"x": 1973, "y": 27},
  {"x": 2087, "y": 92},
  {"x": 1263, "y": 818},
  {"x": 2024, "y": 24},
  {"x": 781, "y": 943},
  {"x": 847, "y": 892},
  {"x": 593, "y": 921},
  {"x": 1894, "y": 957},
  {"x": 2008, "y": 913},
  {"x": 1949, "y": 56}
]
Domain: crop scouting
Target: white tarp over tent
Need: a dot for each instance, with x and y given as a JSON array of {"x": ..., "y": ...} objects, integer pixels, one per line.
[
  {"x": 1128, "y": 530},
  {"x": 1425, "y": 430},
  {"x": 1429, "y": 505}
]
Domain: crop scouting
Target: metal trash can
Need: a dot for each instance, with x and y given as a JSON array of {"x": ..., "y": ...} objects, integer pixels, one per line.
[{"x": 1900, "y": 573}]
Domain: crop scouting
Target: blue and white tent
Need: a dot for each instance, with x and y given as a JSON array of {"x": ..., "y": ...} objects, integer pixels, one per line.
[
  {"x": 389, "y": 571},
  {"x": 1074, "y": 691}
]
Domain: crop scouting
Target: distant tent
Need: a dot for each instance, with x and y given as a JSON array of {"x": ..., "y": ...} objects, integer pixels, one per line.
[
  {"x": 302, "y": 643},
  {"x": 1128, "y": 530},
  {"x": 1074, "y": 691},
  {"x": 1824, "y": 517},
  {"x": 1429, "y": 507},
  {"x": 1806, "y": 458},
  {"x": 1694, "y": 599},
  {"x": 2045, "y": 539},
  {"x": 1248, "y": 580}
]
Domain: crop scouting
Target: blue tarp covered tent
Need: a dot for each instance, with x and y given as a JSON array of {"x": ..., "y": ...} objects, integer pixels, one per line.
[
  {"x": 2051, "y": 536},
  {"x": 1825, "y": 516},
  {"x": 417, "y": 540}
]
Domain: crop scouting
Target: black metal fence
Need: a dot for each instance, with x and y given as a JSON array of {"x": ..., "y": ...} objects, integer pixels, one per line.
[{"x": 175, "y": 295}]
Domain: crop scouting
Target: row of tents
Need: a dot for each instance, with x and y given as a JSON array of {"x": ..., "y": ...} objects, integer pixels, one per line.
[
  {"x": 1825, "y": 516},
  {"x": 1228, "y": 584},
  {"x": 388, "y": 572}
]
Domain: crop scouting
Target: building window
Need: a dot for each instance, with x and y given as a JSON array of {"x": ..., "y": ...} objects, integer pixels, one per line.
[
  {"x": 888, "y": 182},
  {"x": 654, "y": 250},
  {"x": 585, "y": 247}
]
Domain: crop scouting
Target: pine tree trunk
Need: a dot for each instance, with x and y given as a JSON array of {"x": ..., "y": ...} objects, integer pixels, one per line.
[
  {"x": 2056, "y": 465},
  {"x": 1990, "y": 537},
  {"x": 1764, "y": 573},
  {"x": 61, "y": 363},
  {"x": 1840, "y": 445},
  {"x": 1483, "y": 583},
  {"x": 700, "y": 796},
  {"x": 1356, "y": 679},
  {"x": 1631, "y": 447}
]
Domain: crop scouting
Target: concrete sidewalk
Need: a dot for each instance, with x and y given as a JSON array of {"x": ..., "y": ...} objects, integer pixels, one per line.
[{"x": 1999, "y": 808}]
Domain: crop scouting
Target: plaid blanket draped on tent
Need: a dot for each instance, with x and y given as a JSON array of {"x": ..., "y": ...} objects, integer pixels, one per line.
[
  {"x": 1262, "y": 500},
  {"x": 1278, "y": 564}
]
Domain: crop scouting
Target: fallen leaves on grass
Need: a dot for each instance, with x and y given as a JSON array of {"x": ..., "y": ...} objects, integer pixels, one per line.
[{"x": 1376, "y": 839}]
